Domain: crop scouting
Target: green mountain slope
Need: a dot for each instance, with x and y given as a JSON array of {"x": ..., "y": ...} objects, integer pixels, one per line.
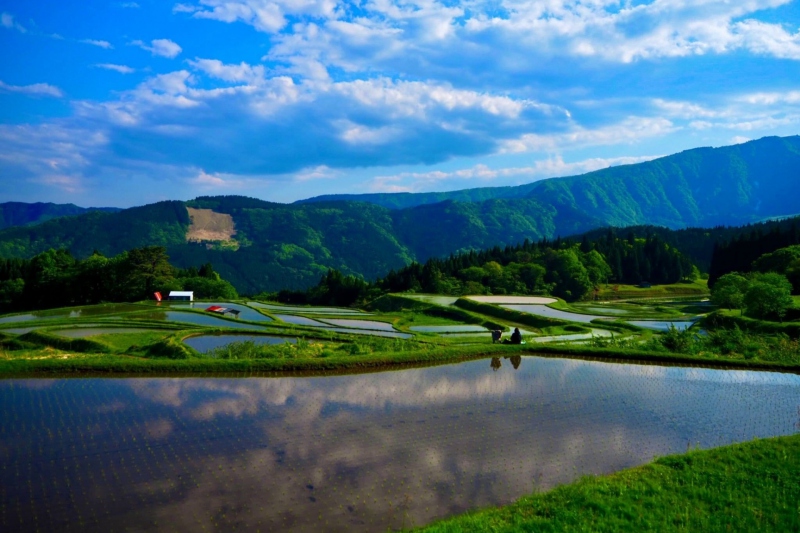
[
  {"x": 701, "y": 187},
  {"x": 23, "y": 214},
  {"x": 737, "y": 184},
  {"x": 279, "y": 246}
]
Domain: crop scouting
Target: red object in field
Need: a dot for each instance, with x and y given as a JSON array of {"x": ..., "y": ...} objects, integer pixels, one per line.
[
  {"x": 158, "y": 296},
  {"x": 215, "y": 309}
]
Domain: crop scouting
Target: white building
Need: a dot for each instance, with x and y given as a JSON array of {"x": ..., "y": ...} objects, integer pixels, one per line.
[{"x": 182, "y": 296}]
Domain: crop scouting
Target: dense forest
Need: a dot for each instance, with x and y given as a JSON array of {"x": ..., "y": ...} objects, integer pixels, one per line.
[
  {"x": 565, "y": 268},
  {"x": 740, "y": 253},
  {"x": 56, "y": 279}
]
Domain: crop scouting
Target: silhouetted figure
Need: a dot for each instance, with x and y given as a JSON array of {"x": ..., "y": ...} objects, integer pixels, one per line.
[
  {"x": 516, "y": 337},
  {"x": 515, "y": 361},
  {"x": 495, "y": 364},
  {"x": 496, "y": 334}
]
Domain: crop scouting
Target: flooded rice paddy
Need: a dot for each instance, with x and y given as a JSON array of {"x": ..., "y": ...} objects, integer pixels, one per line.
[
  {"x": 525, "y": 300},
  {"x": 197, "y": 319},
  {"x": 362, "y": 452},
  {"x": 302, "y": 321},
  {"x": 245, "y": 312},
  {"x": 308, "y": 309},
  {"x": 661, "y": 325},
  {"x": 206, "y": 343},
  {"x": 83, "y": 332},
  {"x": 452, "y": 328},
  {"x": 543, "y": 310},
  {"x": 359, "y": 324}
]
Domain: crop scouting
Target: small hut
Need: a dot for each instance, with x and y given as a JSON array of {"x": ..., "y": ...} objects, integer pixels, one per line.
[{"x": 181, "y": 296}]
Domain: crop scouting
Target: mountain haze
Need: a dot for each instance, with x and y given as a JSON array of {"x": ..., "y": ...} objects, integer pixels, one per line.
[
  {"x": 22, "y": 214},
  {"x": 277, "y": 246}
]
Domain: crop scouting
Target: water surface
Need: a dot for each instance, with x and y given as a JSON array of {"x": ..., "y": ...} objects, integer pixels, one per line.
[
  {"x": 309, "y": 309},
  {"x": 661, "y": 325},
  {"x": 195, "y": 318},
  {"x": 543, "y": 310},
  {"x": 245, "y": 313},
  {"x": 206, "y": 343},
  {"x": 80, "y": 333},
  {"x": 364, "y": 452},
  {"x": 360, "y": 324},
  {"x": 452, "y": 328}
]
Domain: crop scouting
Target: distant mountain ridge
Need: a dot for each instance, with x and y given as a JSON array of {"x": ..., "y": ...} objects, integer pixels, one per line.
[
  {"x": 735, "y": 184},
  {"x": 291, "y": 245},
  {"x": 24, "y": 214}
]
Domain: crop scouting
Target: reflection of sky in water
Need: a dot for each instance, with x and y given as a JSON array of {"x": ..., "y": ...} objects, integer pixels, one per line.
[
  {"x": 245, "y": 313},
  {"x": 354, "y": 453},
  {"x": 661, "y": 325},
  {"x": 195, "y": 318},
  {"x": 360, "y": 324},
  {"x": 310, "y": 310},
  {"x": 75, "y": 312},
  {"x": 543, "y": 310},
  {"x": 204, "y": 343},
  {"x": 83, "y": 332},
  {"x": 451, "y": 328}
]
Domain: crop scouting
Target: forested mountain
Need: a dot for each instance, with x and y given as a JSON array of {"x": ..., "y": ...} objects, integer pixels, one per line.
[
  {"x": 22, "y": 214},
  {"x": 280, "y": 246},
  {"x": 703, "y": 187},
  {"x": 403, "y": 200}
]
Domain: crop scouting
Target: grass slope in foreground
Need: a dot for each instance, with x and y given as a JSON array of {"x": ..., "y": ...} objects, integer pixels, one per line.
[{"x": 753, "y": 486}]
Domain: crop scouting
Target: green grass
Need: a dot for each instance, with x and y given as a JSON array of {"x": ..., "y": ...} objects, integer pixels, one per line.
[
  {"x": 697, "y": 288},
  {"x": 753, "y": 486}
]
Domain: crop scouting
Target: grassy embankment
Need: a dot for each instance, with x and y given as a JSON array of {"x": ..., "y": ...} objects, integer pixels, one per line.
[
  {"x": 617, "y": 292},
  {"x": 44, "y": 352},
  {"x": 753, "y": 486}
]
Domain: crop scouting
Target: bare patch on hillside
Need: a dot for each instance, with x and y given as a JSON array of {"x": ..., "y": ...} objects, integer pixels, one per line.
[{"x": 209, "y": 226}]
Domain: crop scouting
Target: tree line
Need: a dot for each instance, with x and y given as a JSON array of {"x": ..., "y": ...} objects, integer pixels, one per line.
[
  {"x": 55, "y": 278},
  {"x": 740, "y": 253},
  {"x": 566, "y": 268}
]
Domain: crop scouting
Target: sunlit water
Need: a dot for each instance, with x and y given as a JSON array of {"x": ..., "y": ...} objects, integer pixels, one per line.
[{"x": 364, "y": 452}]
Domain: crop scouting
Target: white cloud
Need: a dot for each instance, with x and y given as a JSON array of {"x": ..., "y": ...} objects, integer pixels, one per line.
[
  {"x": 545, "y": 168},
  {"x": 36, "y": 89},
  {"x": 102, "y": 44},
  {"x": 629, "y": 130},
  {"x": 231, "y": 73},
  {"x": 122, "y": 69},
  {"x": 7, "y": 21},
  {"x": 160, "y": 47}
]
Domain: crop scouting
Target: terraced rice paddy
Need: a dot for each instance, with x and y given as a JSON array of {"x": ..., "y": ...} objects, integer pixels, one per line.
[
  {"x": 359, "y": 324},
  {"x": 543, "y": 310},
  {"x": 661, "y": 325},
  {"x": 206, "y": 343},
  {"x": 245, "y": 312},
  {"x": 363, "y": 452},
  {"x": 517, "y": 300},
  {"x": 197, "y": 319},
  {"x": 452, "y": 328},
  {"x": 83, "y": 332},
  {"x": 308, "y": 309}
]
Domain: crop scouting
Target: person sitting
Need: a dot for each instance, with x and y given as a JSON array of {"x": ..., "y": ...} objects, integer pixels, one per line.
[
  {"x": 516, "y": 337},
  {"x": 496, "y": 334}
]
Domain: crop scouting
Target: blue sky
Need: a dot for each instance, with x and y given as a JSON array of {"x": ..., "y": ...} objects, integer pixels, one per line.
[{"x": 130, "y": 102}]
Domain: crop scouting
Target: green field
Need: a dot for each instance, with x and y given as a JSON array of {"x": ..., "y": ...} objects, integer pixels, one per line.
[{"x": 753, "y": 486}]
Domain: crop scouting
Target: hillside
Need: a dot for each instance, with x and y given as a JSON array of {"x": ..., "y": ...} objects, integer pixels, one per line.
[
  {"x": 703, "y": 187},
  {"x": 280, "y": 246},
  {"x": 22, "y": 214}
]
